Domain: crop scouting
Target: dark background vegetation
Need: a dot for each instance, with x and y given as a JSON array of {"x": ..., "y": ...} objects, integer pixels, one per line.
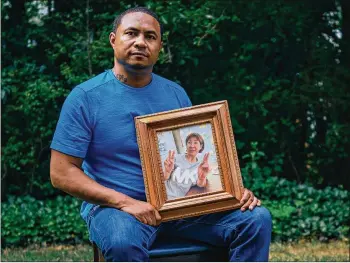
[{"x": 283, "y": 66}]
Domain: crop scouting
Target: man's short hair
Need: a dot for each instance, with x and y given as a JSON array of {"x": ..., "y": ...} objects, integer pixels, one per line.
[
  {"x": 198, "y": 137},
  {"x": 118, "y": 19}
]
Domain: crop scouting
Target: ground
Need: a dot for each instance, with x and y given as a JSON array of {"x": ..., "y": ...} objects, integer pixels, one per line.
[{"x": 300, "y": 251}]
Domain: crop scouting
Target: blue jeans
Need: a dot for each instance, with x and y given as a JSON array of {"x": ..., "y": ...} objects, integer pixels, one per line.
[{"x": 121, "y": 237}]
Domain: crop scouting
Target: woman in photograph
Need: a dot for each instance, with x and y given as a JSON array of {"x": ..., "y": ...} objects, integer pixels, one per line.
[{"x": 182, "y": 171}]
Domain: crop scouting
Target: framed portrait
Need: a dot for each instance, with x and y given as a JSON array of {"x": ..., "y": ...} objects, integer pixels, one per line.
[{"x": 189, "y": 161}]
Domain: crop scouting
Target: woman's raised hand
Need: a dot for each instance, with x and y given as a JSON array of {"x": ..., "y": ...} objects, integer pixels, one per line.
[
  {"x": 169, "y": 164},
  {"x": 204, "y": 168}
]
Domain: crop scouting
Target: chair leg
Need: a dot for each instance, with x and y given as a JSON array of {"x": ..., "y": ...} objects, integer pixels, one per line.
[{"x": 98, "y": 257}]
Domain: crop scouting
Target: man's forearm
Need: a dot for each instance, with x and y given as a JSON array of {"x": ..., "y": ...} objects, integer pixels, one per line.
[{"x": 75, "y": 182}]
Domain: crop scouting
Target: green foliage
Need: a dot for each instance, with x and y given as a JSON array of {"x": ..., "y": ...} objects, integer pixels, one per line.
[
  {"x": 284, "y": 79},
  {"x": 298, "y": 210},
  {"x": 281, "y": 66},
  {"x": 25, "y": 220}
]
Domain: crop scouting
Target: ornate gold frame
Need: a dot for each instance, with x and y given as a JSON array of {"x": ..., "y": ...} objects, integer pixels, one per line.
[{"x": 216, "y": 113}]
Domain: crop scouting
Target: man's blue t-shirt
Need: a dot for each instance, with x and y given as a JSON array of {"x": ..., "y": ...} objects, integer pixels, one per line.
[{"x": 97, "y": 124}]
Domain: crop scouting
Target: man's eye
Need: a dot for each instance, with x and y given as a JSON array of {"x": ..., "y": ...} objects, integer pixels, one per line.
[
  {"x": 151, "y": 37},
  {"x": 130, "y": 33}
]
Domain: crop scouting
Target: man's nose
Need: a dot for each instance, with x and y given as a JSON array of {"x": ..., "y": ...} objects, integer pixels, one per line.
[{"x": 140, "y": 41}]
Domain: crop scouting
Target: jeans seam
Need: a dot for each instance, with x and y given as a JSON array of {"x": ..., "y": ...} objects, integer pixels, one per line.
[
  {"x": 151, "y": 237},
  {"x": 91, "y": 213},
  {"x": 99, "y": 237}
]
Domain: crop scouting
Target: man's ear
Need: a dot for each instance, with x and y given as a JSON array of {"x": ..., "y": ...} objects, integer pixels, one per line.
[
  {"x": 112, "y": 38},
  {"x": 161, "y": 45}
]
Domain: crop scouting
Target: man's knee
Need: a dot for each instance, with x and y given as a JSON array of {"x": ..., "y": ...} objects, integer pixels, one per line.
[
  {"x": 261, "y": 218},
  {"x": 118, "y": 235},
  {"x": 124, "y": 249},
  {"x": 264, "y": 214}
]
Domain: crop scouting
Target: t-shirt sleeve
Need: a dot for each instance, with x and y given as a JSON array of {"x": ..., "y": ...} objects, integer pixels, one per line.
[
  {"x": 186, "y": 100},
  {"x": 182, "y": 96},
  {"x": 73, "y": 130}
]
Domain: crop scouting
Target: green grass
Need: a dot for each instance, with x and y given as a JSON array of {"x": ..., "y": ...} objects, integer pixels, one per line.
[
  {"x": 50, "y": 253},
  {"x": 310, "y": 251},
  {"x": 301, "y": 251}
]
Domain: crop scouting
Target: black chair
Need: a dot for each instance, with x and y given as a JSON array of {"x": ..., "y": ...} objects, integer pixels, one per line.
[{"x": 176, "y": 250}]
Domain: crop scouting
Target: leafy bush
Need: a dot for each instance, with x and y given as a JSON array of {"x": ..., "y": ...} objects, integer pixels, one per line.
[
  {"x": 25, "y": 220},
  {"x": 298, "y": 211},
  {"x": 286, "y": 84}
]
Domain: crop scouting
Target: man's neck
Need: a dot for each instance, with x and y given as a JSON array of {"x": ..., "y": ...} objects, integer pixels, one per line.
[{"x": 136, "y": 79}]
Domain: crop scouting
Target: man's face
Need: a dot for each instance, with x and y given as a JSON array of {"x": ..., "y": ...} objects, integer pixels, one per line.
[{"x": 137, "y": 41}]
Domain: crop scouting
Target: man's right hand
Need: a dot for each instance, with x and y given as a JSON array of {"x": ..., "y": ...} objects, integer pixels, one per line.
[
  {"x": 66, "y": 174},
  {"x": 144, "y": 212}
]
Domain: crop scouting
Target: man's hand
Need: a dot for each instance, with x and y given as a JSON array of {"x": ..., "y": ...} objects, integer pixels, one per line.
[
  {"x": 203, "y": 170},
  {"x": 169, "y": 164},
  {"x": 144, "y": 212},
  {"x": 249, "y": 200}
]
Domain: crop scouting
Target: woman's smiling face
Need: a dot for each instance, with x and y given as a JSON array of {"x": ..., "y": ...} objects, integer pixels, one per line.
[{"x": 193, "y": 146}]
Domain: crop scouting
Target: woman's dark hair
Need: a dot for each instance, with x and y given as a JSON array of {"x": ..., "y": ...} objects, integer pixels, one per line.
[{"x": 199, "y": 138}]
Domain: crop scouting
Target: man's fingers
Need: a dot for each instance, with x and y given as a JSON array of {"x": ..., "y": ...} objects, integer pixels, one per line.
[
  {"x": 152, "y": 219},
  {"x": 142, "y": 219},
  {"x": 247, "y": 204},
  {"x": 254, "y": 203},
  {"x": 157, "y": 216},
  {"x": 245, "y": 196},
  {"x": 247, "y": 199},
  {"x": 148, "y": 217}
]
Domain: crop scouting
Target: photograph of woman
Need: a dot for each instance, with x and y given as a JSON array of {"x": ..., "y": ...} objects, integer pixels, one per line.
[{"x": 187, "y": 173}]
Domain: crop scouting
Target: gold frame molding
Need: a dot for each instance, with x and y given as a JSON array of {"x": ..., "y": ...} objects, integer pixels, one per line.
[{"x": 217, "y": 114}]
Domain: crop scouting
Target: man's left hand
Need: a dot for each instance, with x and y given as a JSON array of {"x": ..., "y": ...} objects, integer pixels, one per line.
[{"x": 249, "y": 200}]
